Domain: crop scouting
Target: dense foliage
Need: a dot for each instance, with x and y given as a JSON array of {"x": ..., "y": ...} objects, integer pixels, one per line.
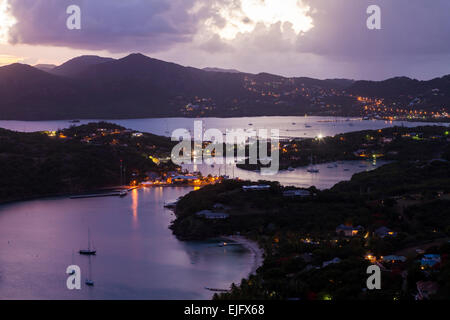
[{"x": 36, "y": 164}]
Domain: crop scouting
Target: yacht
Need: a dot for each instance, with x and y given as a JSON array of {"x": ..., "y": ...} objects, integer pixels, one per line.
[
  {"x": 123, "y": 193},
  {"x": 88, "y": 251},
  {"x": 312, "y": 168}
]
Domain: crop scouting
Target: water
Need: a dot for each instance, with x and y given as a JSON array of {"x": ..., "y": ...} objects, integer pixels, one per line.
[
  {"x": 329, "y": 173},
  {"x": 300, "y": 127},
  {"x": 137, "y": 257}
]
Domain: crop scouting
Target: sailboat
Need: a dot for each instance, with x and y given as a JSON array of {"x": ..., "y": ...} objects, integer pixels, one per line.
[
  {"x": 312, "y": 168},
  {"x": 89, "y": 281},
  {"x": 167, "y": 132},
  {"x": 88, "y": 251}
]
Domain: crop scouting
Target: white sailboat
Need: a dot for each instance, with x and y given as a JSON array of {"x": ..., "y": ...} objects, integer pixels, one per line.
[
  {"x": 88, "y": 251},
  {"x": 312, "y": 168}
]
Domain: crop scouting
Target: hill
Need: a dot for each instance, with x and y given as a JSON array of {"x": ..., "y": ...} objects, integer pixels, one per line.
[
  {"x": 137, "y": 86},
  {"x": 77, "y": 65}
]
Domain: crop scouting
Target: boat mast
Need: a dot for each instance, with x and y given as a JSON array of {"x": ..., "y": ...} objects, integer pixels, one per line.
[{"x": 89, "y": 240}]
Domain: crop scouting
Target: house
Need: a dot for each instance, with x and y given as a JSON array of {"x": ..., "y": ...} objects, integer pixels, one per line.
[
  {"x": 256, "y": 188},
  {"x": 137, "y": 134},
  {"x": 430, "y": 260},
  {"x": 383, "y": 232},
  {"x": 207, "y": 214},
  {"x": 152, "y": 176},
  {"x": 393, "y": 259},
  {"x": 334, "y": 261},
  {"x": 184, "y": 179},
  {"x": 348, "y": 231},
  {"x": 425, "y": 289},
  {"x": 296, "y": 193}
]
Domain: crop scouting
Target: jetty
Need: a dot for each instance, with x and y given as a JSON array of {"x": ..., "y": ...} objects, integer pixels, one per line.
[
  {"x": 101, "y": 195},
  {"x": 217, "y": 290}
]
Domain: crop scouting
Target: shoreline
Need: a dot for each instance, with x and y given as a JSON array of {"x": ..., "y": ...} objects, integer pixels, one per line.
[{"x": 253, "y": 247}]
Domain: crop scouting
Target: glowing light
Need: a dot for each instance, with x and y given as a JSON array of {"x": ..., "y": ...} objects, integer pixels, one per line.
[
  {"x": 250, "y": 13},
  {"x": 6, "y": 21},
  {"x": 8, "y": 59},
  {"x": 134, "y": 206},
  {"x": 327, "y": 297}
]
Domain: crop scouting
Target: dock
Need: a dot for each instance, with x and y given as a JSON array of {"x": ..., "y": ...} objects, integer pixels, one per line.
[
  {"x": 100, "y": 195},
  {"x": 216, "y": 290}
]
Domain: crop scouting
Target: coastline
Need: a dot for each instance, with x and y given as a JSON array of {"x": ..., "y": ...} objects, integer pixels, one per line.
[{"x": 253, "y": 247}]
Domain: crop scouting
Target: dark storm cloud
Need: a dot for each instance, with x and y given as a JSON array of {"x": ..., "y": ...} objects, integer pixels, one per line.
[{"x": 114, "y": 25}]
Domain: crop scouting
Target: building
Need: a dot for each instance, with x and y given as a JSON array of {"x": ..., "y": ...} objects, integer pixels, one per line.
[
  {"x": 256, "y": 188},
  {"x": 184, "y": 179},
  {"x": 383, "y": 232},
  {"x": 334, "y": 261},
  {"x": 430, "y": 260},
  {"x": 393, "y": 259},
  {"x": 137, "y": 134},
  {"x": 296, "y": 193},
  {"x": 348, "y": 231},
  {"x": 207, "y": 214}
]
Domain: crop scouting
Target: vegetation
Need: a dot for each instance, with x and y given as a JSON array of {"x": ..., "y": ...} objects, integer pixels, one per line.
[
  {"x": 299, "y": 234},
  {"x": 74, "y": 160},
  {"x": 397, "y": 143}
]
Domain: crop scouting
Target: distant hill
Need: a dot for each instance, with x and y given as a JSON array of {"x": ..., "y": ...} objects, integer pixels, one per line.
[
  {"x": 77, "y": 65},
  {"x": 407, "y": 92},
  {"x": 137, "y": 86},
  {"x": 221, "y": 70},
  {"x": 45, "y": 67}
]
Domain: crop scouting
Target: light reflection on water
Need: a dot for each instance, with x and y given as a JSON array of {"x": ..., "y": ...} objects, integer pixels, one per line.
[
  {"x": 328, "y": 176},
  {"x": 134, "y": 206},
  {"x": 137, "y": 255},
  {"x": 302, "y": 127}
]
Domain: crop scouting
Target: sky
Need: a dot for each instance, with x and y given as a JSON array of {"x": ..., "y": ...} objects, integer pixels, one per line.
[{"x": 313, "y": 38}]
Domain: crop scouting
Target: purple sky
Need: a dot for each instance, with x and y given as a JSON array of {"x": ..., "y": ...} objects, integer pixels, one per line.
[{"x": 316, "y": 38}]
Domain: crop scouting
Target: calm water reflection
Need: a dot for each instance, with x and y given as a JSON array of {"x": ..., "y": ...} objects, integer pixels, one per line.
[
  {"x": 288, "y": 126},
  {"x": 138, "y": 257},
  {"x": 329, "y": 175}
]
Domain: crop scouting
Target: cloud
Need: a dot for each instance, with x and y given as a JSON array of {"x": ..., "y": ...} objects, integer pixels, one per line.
[
  {"x": 318, "y": 38},
  {"x": 409, "y": 27},
  {"x": 115, "y": 25}
]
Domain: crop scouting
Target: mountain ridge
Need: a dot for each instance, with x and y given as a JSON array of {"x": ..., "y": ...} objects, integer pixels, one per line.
[{"x": 138, "y": 86}]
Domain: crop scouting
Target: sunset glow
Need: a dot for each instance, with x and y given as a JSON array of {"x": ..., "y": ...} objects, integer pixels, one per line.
[{"x": 8, "y": 59}]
